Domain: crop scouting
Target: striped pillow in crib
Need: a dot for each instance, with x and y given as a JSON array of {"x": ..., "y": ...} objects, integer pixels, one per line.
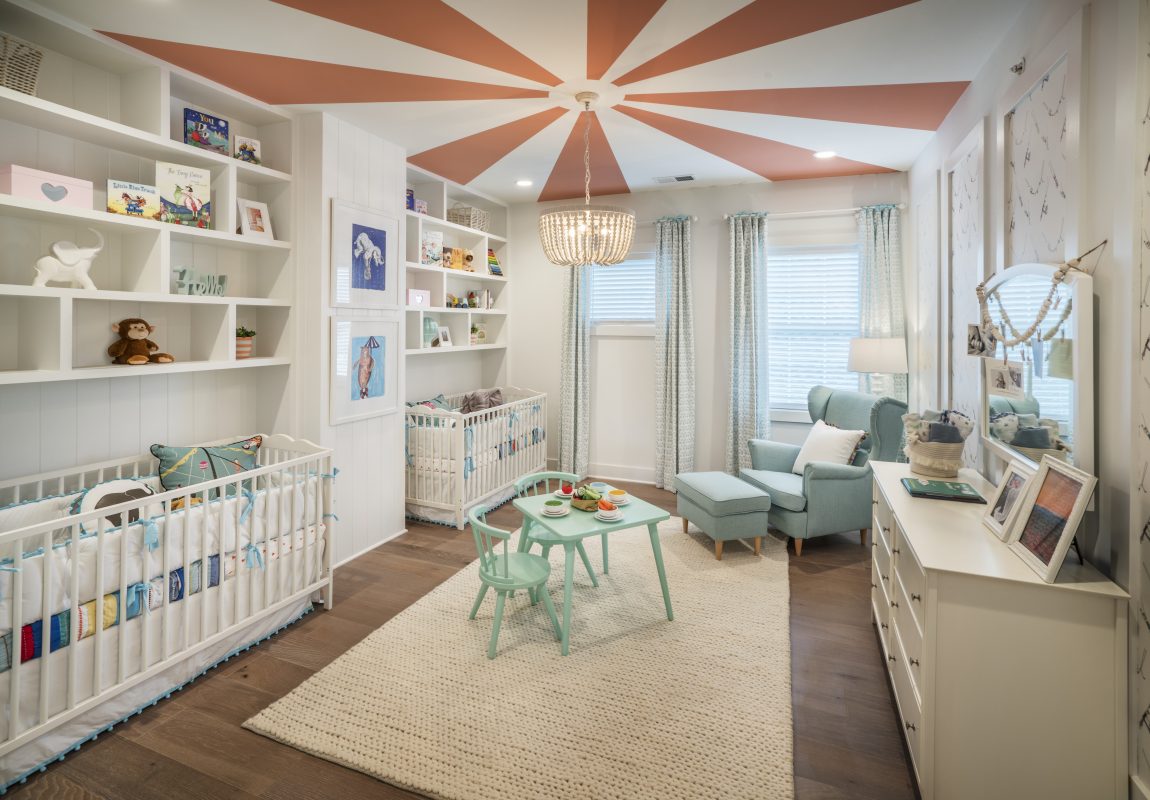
[{"x": 181, "y": 467}]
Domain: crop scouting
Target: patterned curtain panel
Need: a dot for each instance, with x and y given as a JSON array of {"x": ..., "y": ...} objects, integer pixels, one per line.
[
  {"x": 575, "y": 374},
  {"x": 749, "y": 415},
  {"x": 882, "y": 310},
  {"x": 674, "y": 352}
]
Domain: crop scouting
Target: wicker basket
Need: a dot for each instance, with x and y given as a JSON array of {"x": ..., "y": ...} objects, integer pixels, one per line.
[
  {"x": 935, "y": 459},
  {"x": 469, "y": 216},
  {"x": 19, "y": 64}
]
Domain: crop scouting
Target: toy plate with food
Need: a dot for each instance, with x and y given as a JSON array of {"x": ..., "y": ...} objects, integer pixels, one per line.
[
  {"x": 609, "y": 516},
  {"x": 560, "y": 512}
]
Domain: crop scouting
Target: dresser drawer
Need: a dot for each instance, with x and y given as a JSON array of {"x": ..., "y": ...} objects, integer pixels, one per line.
[
  {"x": 880, "y": 601},
  {"x": 880, "y": 526},
  {"x": 910, "y": 636},
  {"x": 910, "y": 574},
  {"x": 908, "y": 705},
  {"x": 881, "y": 563}
]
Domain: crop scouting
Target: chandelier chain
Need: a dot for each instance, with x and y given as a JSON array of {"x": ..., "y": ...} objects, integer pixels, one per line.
[{"x": 587, "y": 153}]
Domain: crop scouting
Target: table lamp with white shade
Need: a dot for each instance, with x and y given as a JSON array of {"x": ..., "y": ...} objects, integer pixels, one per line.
[{"x": 878, "y": 356}]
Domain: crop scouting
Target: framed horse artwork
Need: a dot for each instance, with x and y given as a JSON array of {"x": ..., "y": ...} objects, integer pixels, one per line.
[{"x": 363, "y": 257}]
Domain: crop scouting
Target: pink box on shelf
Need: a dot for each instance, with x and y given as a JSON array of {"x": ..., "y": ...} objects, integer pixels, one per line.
[{"x": 46, "y": 187}]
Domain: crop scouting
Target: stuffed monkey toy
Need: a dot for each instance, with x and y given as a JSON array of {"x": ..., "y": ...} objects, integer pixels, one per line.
[{"x": 134, "y": 347}]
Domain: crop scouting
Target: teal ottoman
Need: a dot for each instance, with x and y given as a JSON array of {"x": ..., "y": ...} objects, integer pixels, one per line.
[{"x": 723, "y": 507}]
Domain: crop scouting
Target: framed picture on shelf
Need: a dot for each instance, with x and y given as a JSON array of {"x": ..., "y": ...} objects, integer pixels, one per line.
[
  {"x": 1048, "y": 516},
  {"x": 1004, "y": 378},
  {"x": 364, "y": 368},
  {"x": 255, "y": 221},
  {"x": 1007, "y": 499},
  {"x": 363, "y": 257},
  {"x": 443, "y": 339}
]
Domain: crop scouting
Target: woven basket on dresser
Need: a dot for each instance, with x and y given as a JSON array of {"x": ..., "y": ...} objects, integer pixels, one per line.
[
  {"x": 935, "y": 459},
  {"x": 19, "y": 64},
  {"x": 469, "y": 216}
]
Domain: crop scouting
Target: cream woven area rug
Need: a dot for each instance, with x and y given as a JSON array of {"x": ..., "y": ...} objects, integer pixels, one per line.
[{"x": 642, "y": 708}]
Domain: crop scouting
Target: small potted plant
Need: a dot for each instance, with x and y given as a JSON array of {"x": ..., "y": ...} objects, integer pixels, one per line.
[{"x": 245, "y": 342}]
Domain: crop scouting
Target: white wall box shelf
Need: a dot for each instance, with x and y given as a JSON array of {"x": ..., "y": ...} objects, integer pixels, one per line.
[
  {"x": 105, "y": 111},
  {"x": 473, "y": 365},
  {"x": 1006, "y": 686}
]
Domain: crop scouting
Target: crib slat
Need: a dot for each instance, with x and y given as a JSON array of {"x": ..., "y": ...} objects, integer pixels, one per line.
[
  {"x": 17, "y": 639},
  {"x": 46, "y": 623},
  {"x": 298, "y": 579},
  {"x": 74, "y": 615},
  {"x": 166, "y": 623},
  {"x": 268, "y": 529},
  {"x": 122, "y": 665},
  {"x": 237, "y": 576},
  {"x": 98, "y": 615},
  {"x": 206, "y": 576}
]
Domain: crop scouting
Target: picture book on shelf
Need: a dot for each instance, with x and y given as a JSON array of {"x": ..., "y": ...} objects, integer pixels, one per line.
[
  {"x": 133, "y": 199},
  {"x": 431, "y": 249},
  {"x": 204, "y": 130},
  {"x": 453, "y": 257},
  {"x": 942, "y": 490},
  {"x": 248, "y": 150},
  {"x": 185, "y": 194},
  {"x": 493, "y": 264}
]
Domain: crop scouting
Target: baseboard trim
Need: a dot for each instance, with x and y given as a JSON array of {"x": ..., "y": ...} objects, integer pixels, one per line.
[
  {"x": 369, "y": 548},
  {"x": 620, "y": 472}
]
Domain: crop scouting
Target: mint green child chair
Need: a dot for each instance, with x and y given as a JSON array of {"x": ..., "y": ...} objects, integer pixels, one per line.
[
  {"x": 529, "y": 486},
  {"x": 505, "y": 572}
]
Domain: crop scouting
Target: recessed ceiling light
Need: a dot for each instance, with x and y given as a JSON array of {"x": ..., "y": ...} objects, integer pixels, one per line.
[
  {"x": 524, "y": 182},
  {"x": 825, "y": 154}
]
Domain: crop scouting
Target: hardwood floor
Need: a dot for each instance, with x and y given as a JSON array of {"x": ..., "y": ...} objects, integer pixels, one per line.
[{"x": 847, "y": 743}]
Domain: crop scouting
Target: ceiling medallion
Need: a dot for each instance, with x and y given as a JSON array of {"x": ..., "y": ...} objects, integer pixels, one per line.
[{"x": 574, "y": 236}]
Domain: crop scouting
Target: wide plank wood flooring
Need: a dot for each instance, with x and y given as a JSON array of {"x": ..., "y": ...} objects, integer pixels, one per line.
[{"x": 847, "y": 743}]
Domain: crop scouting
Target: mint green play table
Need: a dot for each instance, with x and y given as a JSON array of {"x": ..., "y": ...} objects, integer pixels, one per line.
[{"x": 568, "y": 531}]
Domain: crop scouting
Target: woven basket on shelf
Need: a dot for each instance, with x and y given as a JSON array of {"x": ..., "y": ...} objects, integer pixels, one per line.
[
  {"x": 469, "y": 216},
  {"x": 935, "y": 459},
  {"x": 19, "y": 64}
]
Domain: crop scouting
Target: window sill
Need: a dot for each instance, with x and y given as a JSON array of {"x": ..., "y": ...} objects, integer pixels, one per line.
[
  {"x": 790, "y": 415},
  {"x": 619, "y": 330}
]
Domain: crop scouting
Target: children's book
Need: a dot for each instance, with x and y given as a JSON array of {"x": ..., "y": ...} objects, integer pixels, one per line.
[
  {"x": 431, "y": 250},
  {"x": 453, "y": 257},
  {"x": 493, "y": 264},
  {"x": 248, "y": 150},
  {"x": 942, "y": 490},
  {"x": 204, "y": 130},
  {"x": 185, "y": 194},
  {"x": 133, "y": 199}
]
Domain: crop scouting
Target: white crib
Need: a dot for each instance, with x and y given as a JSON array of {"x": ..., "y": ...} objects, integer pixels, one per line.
[
  {"x": 262, "y": 553},
  {"x": 456, "y": 460}
]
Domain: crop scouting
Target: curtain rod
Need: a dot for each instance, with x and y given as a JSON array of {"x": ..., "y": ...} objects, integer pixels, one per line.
[{"x": 825, "y": 213}]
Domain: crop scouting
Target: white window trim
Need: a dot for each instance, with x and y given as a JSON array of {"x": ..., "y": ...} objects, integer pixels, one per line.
[{"x": 790, "y": 415}]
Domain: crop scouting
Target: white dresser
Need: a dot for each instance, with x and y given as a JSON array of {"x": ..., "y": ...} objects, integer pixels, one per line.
[{"x": 1007, "y": 687}]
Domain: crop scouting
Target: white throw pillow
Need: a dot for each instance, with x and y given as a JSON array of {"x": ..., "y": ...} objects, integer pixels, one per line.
[{"x": 827, "y": 443}]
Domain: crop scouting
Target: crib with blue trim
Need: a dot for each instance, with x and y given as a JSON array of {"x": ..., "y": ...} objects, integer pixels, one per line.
[
  {"x": 457, "y": 460},
  {"x": 100, "y": 618}
]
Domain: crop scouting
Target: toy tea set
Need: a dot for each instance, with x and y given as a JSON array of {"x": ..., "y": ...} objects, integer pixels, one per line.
[{"x": 596, "y": 497}]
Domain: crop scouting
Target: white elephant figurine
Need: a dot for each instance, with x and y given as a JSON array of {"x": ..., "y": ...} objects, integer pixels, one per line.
[{"x": 69, "y": 262}]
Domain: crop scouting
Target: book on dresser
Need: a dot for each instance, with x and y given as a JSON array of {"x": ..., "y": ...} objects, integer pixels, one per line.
[{"x": 942, "y": 490}]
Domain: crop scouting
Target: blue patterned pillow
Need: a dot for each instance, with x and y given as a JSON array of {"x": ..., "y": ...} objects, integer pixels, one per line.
[{"x": 186, "y": 466}]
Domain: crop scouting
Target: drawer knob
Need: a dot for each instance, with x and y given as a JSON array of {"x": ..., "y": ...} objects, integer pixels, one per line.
[
  {"x": 883, "y": 625},
  {"x": 891, "y": 658},
  {"x": 914, "y": 662},
  {"x": 895, "y": 550},
  {"x": 886, "y": 529},
  {"x": 884, "y": 577},
  {"x": 893, "y": 604},
  {"x": 874, "y": 502},
  {"x": 911, "y": 727},
  {"x": 917, "y": 597},
  {"x": 873, "y": 585}
]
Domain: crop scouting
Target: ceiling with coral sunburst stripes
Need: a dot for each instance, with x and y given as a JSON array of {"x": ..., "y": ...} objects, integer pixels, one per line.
[{"x": 482, "y": 91}]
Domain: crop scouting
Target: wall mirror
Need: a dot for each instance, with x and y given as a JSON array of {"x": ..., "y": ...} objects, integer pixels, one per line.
[{"x": 1038, "y": 379}]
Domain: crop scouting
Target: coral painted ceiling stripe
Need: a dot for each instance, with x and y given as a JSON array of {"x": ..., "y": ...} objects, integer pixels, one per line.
[
  {"x": 431, "y": 24},
  {"x": 466, "y": 159},
  {"x": 286, "y": 81},
  {"x": 566, "y": 179},
  {"x": 772, "y": 160},
  {"x": 758, "y": 24},
  {"x": 611, "y": 26},
  {"x": 922, "y": 106}
]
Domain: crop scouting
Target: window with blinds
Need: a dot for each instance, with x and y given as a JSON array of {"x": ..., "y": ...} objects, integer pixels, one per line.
[
  {"x": 812, "y": 314},
  {"x": 625, "y": 292}
]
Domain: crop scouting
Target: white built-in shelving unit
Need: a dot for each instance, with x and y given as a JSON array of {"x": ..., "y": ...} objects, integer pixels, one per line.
[
  {"x": 440, "y": 195},
  {"x": 103, "y": 111}
]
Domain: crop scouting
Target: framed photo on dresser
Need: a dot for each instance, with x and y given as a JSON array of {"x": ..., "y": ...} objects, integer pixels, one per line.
[
  {"x": 1003, "y": 506},
  {"x": 1048, "y": 517}
]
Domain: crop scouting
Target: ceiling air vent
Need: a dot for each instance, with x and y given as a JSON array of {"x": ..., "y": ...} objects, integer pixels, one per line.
[{"x": 675, "y": 179}]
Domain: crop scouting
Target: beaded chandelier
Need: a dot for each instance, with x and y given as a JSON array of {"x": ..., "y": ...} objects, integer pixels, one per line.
[{"x": 575, "y": 236}]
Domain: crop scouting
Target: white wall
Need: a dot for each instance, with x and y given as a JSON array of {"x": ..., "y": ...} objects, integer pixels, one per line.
[
  {"x": 622, "y": 387},
  {"x": 341, "y": 161}
]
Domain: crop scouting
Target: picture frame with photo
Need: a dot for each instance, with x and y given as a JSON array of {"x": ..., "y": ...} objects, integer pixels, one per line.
[
  {"x": 255, "y": 219},
  {"x": 364, "y": 260},
  {"x": 443, "y": 339},
  {"x": 1004, "y": 378},
  {"x": 1048, "y": 517},
  {"x": 980, "y": 342},
  {"x": 1007, "y": 499},
  {"x": 364, "y": 368}
]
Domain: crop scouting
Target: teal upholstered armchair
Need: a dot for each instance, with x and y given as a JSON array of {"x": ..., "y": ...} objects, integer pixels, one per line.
[{"x": 828, "y": 498}]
